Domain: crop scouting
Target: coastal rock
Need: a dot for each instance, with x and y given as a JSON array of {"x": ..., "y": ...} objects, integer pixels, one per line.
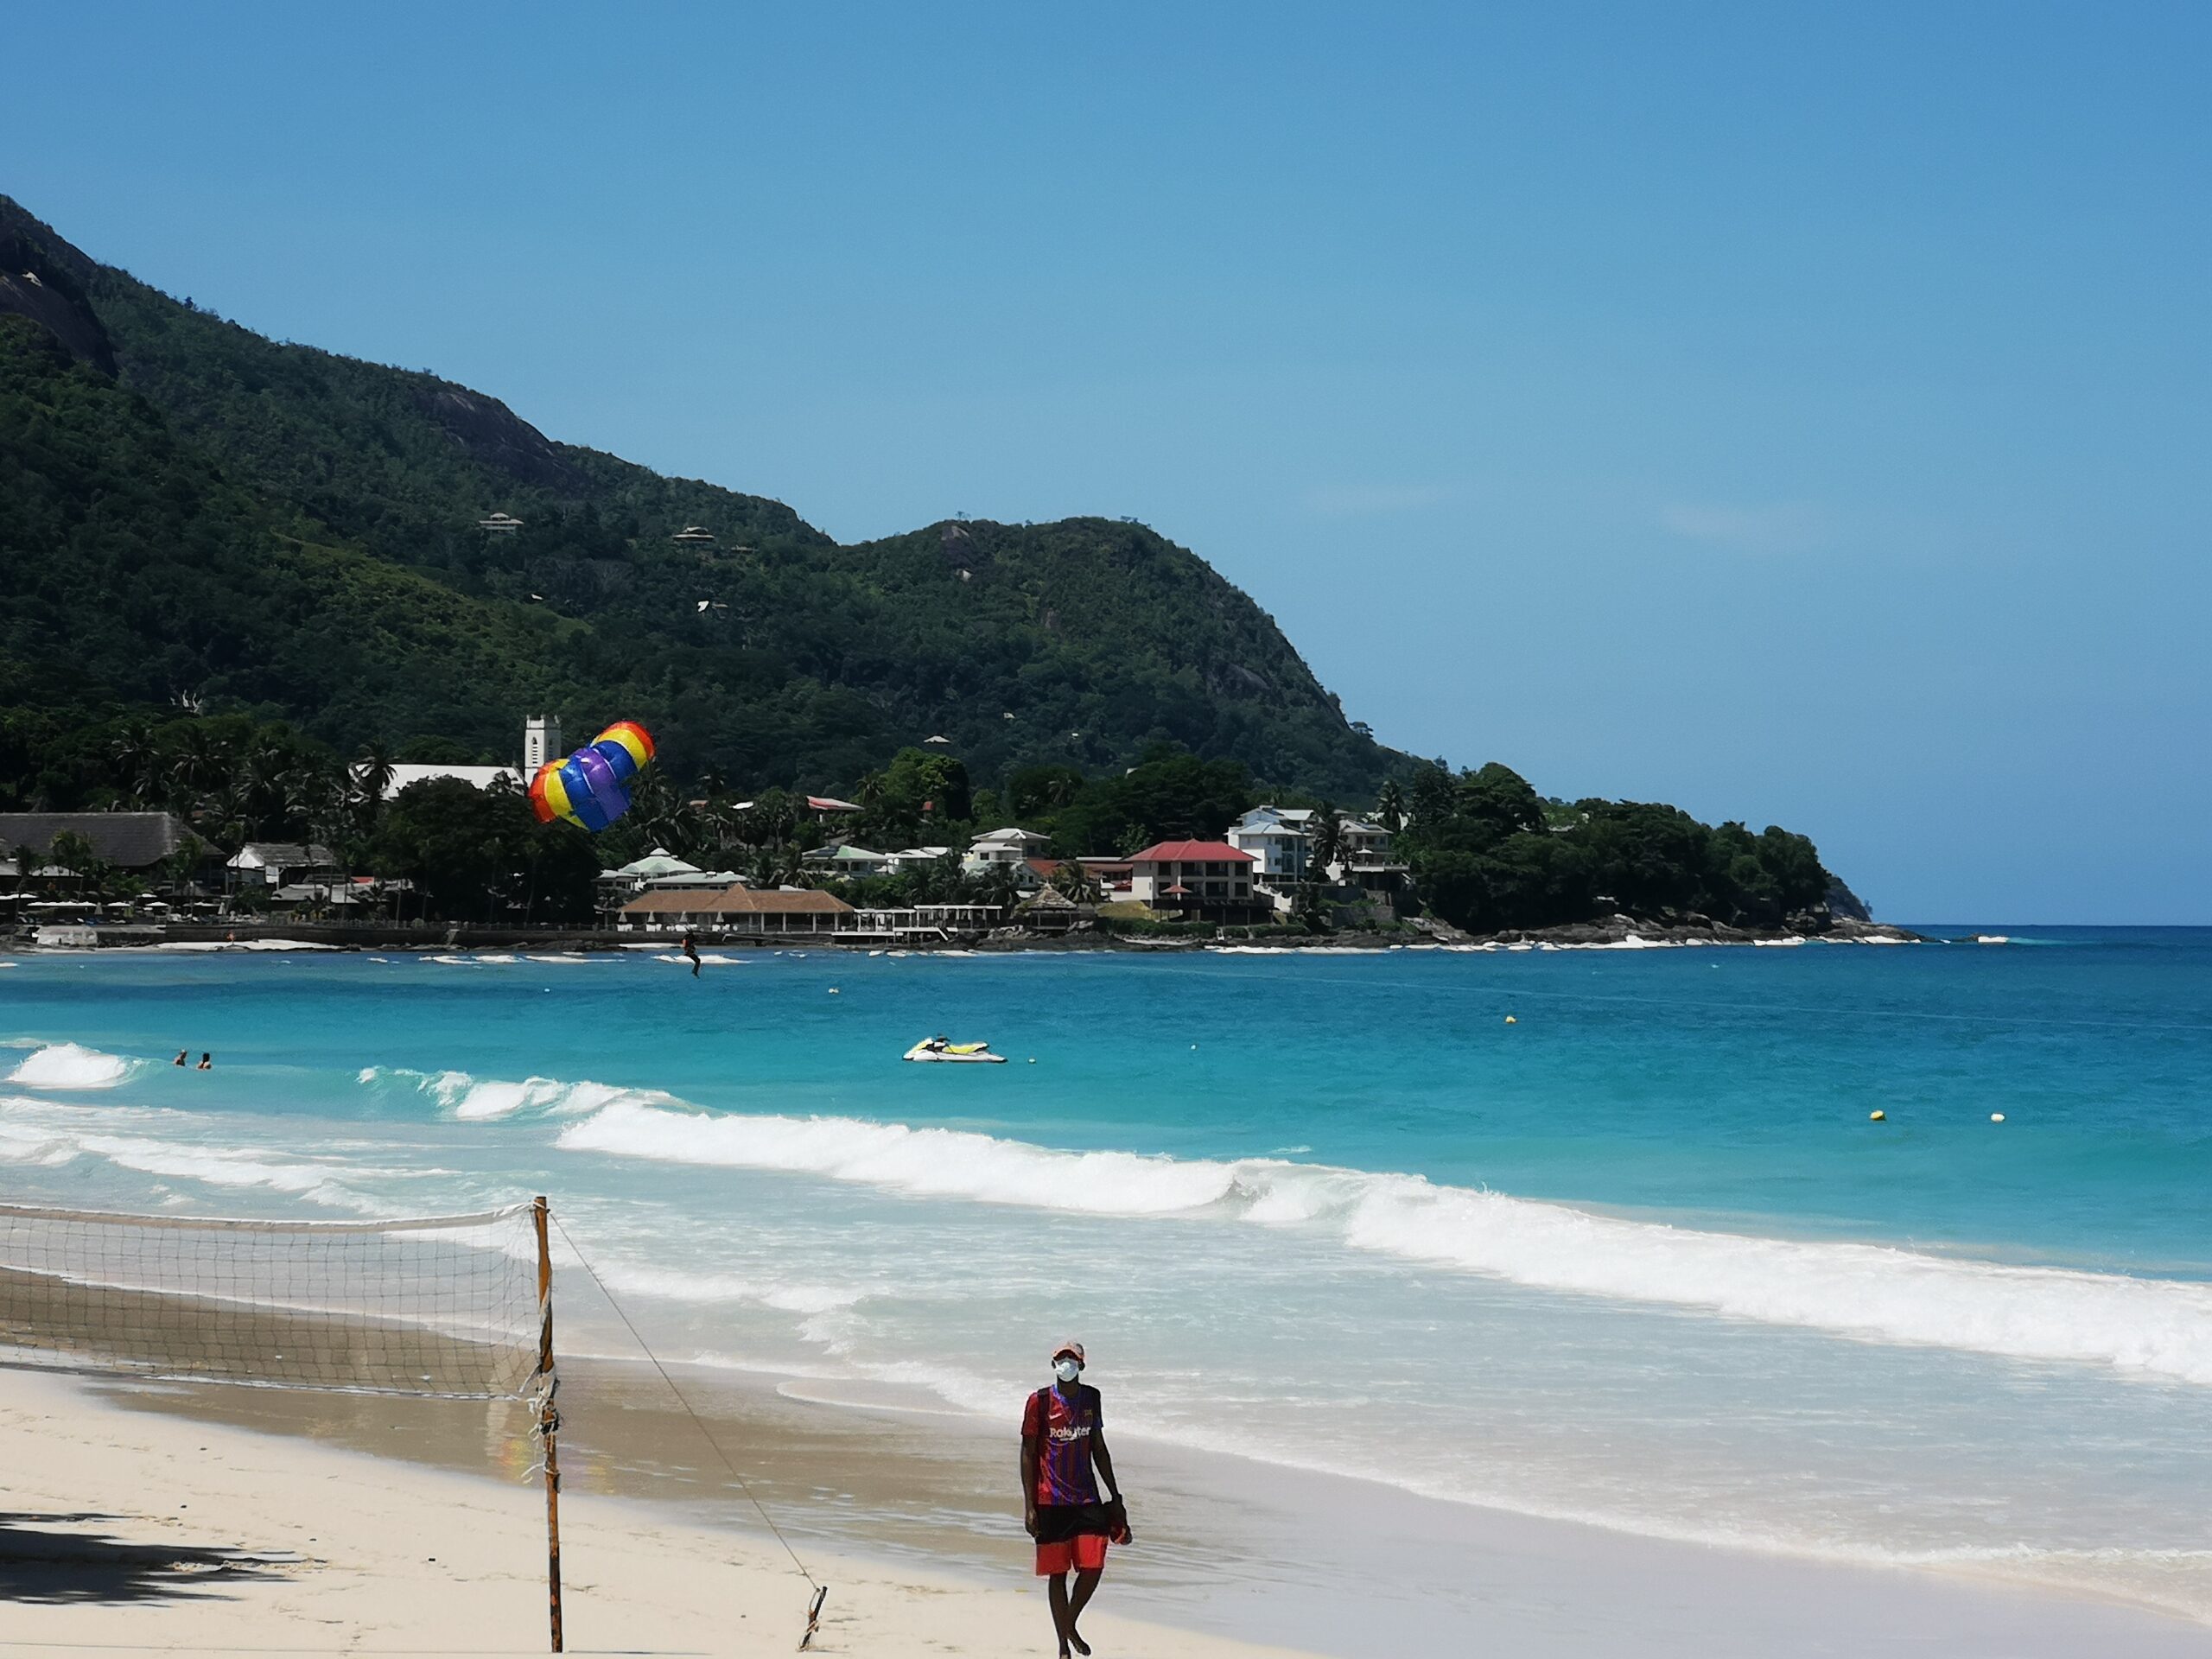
[{"x": 1845, "y": 903}]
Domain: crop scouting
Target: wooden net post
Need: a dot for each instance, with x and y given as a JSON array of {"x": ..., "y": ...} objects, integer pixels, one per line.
[{"x": 549, "y": 1419}]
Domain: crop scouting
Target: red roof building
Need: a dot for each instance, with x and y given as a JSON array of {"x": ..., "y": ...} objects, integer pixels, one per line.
[{"x": 1208, "y": 879}]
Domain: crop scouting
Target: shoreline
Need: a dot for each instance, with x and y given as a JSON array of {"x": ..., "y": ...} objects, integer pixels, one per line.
[
  {"x": 1227, "y": 1549},
  {"x": 1619, "y": 933}
]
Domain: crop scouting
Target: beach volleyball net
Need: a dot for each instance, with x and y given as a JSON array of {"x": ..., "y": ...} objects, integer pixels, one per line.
[{"x": 446, "y": 1306}]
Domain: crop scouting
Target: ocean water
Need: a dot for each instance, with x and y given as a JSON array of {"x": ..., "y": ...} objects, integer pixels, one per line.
[{"x": 1637, "y": 1256}]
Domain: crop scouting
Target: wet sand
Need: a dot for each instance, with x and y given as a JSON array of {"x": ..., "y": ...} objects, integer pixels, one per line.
[{"x": 1226, "y": 1547}]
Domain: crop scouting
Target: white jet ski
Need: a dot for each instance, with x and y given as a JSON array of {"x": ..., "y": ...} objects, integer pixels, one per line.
[{"x": 937, "y": 1048}]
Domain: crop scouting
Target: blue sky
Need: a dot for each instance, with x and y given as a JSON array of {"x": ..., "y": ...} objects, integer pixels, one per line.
[{"x": 1798, "y": 414}]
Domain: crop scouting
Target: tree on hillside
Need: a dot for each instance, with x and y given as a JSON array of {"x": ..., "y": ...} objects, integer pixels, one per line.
[
  {"x": 479, "y": 855},
  {"x": 918, "y": 787},
  {"x": 1035, "y": 792},
  {"x": 1433, "y": 798},
  {"x": 1390, "y": 806},
  {"x": 1487, "y": 854},
  {"x": 1500, "y": 798},
  {"x": 1171, "y": 796}
]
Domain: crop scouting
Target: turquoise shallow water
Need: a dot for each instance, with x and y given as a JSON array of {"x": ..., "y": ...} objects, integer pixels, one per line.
[{"x": 1637, "y": 1257}]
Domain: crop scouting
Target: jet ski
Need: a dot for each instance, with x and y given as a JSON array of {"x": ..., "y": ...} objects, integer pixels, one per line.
[{"x": 938, "y": 1048}]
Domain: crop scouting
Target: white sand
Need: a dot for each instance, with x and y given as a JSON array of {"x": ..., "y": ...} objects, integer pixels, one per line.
[
  {"x": 906, "y": 1518},
  {"x": 111, "y": 1514}
]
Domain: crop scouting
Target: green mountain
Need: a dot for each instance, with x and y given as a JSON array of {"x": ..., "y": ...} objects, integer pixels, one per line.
[{"x": 193, "y": 515}]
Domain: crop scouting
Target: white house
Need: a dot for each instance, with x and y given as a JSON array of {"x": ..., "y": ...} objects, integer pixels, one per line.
[
  {"x": 694, "y": 881},
  {"x": 1367, "y": 850},
  {"x": 840, "y": 860},
  {"x": 1278, "y": 838},
  {"x": 615, "y": 888},
  {"x": 916, "y": 858},
  {"x": 1009, "y": 847},
  {"x": 278, "y": 863}
]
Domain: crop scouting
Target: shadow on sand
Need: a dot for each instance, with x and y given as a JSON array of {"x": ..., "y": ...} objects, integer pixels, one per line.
[{"x": 60, "y": 1558}]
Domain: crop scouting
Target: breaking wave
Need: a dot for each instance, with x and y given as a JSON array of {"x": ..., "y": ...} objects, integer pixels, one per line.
[
  {"x": 67, "y": 1065},
  {"x": 458, "y": 1095},
  {"x": 1874, "y": 1292}
]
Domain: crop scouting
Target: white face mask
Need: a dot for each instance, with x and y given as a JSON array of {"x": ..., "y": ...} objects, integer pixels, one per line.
[{"x": 1067, "y": 1370}]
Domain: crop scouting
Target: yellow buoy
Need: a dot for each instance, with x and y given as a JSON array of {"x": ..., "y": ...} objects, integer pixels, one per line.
[
  {"x": 1997, "y": 1118},
  {"x": 1878, "y": 1117},
  {"x": 1510, "y": 1021}
]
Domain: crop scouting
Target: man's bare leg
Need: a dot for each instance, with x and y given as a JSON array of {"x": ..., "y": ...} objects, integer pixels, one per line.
[
  {"x": 1063, "y": 1620},
  {"x": 1086, "y": 1586}
]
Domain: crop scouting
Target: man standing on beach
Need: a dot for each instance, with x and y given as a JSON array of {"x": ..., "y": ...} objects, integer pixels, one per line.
[{"x": 1063, "y": 1457}]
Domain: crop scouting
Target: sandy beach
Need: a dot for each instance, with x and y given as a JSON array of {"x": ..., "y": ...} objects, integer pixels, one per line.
[
  {"x": 208, "y": 1518},
  {"x": 126, "y": 1531}
]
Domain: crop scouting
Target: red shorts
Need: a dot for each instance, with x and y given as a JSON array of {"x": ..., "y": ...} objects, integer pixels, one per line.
[{"x": 1084, "y": 1552}]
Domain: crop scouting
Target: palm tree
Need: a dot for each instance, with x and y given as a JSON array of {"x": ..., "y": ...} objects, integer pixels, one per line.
[
  {"x": 197, "y": 765},
  {"x": 74, "y": 853},
  {"x": 1324, "y": 842},
  {"x": 373, "y": 772},
  {"x": 1390, "y": 806},
  {"x": 131, "y": 754},
  {"x": 265, "y": 777},
  {"x": 1077, "y": 884},
  {"x": 658, "y": 816},
  {"x": 774, "y": 817},
  {"x": 777, "y": 868},
  {"x": 1001, "y": 887}
]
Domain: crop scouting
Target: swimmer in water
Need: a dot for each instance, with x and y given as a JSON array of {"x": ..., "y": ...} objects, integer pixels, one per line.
[
  {"x": 180, "y": 1060},
  {"x": 206, "y": 1062}
]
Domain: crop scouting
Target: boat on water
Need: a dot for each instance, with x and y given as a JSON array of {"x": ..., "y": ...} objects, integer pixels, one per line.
[{"x": 937, "y": 1048}]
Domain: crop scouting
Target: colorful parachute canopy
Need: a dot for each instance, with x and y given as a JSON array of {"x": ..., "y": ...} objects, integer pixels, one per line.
[{"x": 591, "y": 787}]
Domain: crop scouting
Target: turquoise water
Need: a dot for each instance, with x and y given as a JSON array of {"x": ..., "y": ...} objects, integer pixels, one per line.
[{"x": 1637, "y": 1257}]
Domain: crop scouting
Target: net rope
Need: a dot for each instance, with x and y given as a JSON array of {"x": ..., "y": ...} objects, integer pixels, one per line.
[{"x": 443, "y": 1305}]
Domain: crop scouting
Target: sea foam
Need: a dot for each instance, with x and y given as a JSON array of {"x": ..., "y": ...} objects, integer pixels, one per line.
[
  {"x": 67, "y": 1065},
  {"x": 51, "y": 1134},
  {"x": 1874, "y": 1293}
]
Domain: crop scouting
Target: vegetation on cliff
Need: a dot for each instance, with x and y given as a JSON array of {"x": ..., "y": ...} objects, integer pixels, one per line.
[{"x": 252, "y": 526}]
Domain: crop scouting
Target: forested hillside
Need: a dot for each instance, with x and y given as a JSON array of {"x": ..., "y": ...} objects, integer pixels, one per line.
[
  {"x": 198, "y": 516},
  {"x": 242, "y": 575}
]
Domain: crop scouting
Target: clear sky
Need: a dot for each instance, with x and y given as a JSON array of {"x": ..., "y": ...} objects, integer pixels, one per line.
[{"x": 1801, "y": 415}]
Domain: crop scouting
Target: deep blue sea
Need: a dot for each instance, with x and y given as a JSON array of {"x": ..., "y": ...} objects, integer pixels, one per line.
[{"x": 1636, "y": 1254}]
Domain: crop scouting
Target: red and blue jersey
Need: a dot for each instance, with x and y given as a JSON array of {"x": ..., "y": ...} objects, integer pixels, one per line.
[{"x": 1063, "y": 1422}]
